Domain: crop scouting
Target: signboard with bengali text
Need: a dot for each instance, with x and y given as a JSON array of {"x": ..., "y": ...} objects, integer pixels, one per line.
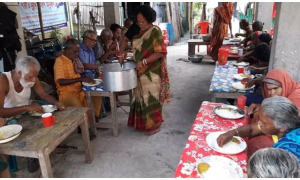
[{"x": 53, "y": 14}]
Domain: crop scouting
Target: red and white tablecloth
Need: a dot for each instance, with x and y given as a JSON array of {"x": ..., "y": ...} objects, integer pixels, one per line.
[{"x": 196, "y": 146}]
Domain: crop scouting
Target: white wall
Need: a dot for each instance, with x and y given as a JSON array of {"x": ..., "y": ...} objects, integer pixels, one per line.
[
  {"x": 264, "y": 14},
  {"x": 285, "y": 52},
  {"x": 111, "y": 13}
]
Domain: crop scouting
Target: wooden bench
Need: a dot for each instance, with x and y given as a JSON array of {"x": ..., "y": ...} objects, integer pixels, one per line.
[
  {"x": 193, "y": 42},
  {"x": 35, "y": 141}
]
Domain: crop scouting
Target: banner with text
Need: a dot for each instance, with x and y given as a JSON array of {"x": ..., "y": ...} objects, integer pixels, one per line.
[{"x": 53, "y": 15}]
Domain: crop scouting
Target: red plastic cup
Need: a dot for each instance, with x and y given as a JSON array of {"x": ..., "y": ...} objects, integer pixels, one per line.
[
  {"x": 241, "y": 102},
  {"x": 244, "y": 82},
  {"x": 241, "y": 70},
  {"x": 48, "y": 119}
]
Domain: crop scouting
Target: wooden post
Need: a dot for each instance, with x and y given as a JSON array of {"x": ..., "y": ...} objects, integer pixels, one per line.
[
  {"x": 126, "y": 11},
  {"x": 41, "y": 20},
  {"x": 169, "y": 19},
  {"x": 179, "y": 21},
  {"x": 191, "y": 20},
  {"x": 174, "y": 21},
  {"x": 78, "y": 18},
  {"x": 187, "y": 12}
]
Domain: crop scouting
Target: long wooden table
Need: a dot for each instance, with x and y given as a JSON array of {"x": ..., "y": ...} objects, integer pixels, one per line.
[
  {"x": 193, "y": 42},
  {"x": 221, "y": 83},
  {"x": 36, "y": 141}
]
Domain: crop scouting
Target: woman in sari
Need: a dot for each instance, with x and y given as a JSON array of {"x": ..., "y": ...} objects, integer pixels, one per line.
[
  {"x": 279, "y": 83},
  {"x": 222, "y": 19},
  {"x": 153, "y": 87},
  {"x": 277, "y": 116}
]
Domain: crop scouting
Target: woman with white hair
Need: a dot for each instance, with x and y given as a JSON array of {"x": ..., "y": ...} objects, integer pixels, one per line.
[
  {"x": 273, "y": 163},
  {"x": 277, "y": 116}
]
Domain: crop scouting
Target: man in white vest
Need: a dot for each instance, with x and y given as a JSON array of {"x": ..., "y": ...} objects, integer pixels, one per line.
[{"x": 15, "y": 91}]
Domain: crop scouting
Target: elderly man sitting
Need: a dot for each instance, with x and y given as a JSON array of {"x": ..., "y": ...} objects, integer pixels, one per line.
[
  {"x": 88, "y": 59},
  {"x": 67, "y": 77},
  {"x": 15, "y": 91},
  {"x": 105, "y": 46},
  {"x": 279, "y": 117}
]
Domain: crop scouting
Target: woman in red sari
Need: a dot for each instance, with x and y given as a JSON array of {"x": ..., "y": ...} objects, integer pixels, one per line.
[{"x": 220, "y": 28}]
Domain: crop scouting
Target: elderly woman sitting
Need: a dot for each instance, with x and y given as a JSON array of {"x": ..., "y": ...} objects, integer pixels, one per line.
[
  {"x": 276, "y": 83},
  {"x": 277, "y": 116},
  {"x": 273, "y": 163}
]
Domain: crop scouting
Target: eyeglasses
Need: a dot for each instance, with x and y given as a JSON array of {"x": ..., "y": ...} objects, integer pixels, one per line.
[{"x": 93, "y": 40}]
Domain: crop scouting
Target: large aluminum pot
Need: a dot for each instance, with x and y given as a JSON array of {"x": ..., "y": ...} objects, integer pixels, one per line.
[{"x": 117, "y": 78}]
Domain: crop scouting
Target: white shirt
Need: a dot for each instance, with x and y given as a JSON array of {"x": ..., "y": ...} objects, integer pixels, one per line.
[{"x": 13, "y": 98}]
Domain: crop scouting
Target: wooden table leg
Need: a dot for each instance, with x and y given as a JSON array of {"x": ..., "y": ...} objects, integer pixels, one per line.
[
  {"x": 130, "y": 96},
  {"x": 113, "y": 107},
  {"x": 45, "y": 164},
  {"x": 86, "y": 140},
  {"x": 213, "y": 98},
  {"x": 92, "y": 113},
  {"x": 189, "y": 49}
]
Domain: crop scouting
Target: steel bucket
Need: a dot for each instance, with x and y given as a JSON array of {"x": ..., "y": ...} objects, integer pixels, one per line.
[{"x": 117, "y": 78}]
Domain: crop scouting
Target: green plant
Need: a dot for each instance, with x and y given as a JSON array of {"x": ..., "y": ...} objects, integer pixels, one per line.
[
  {"x": 185, "y": 25},
  {"x": 197, "y": 8},
  {"x": 56, "y": 33}
]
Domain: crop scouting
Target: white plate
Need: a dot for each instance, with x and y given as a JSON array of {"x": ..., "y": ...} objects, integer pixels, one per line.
[
  {"x": 229, "y": 112},
  {"x": 234, "y": 48},
  {"x": 47, "y": 109},
  {"x": 129, "y": 54},
  {"x": 240, "y": 64},
  {"x": 229, "y": 148},
  {"x": 234, "y": 52},
  {"x": 10, "y": 139},
  {"x": 220, "y": 168},
  {"x": 240, "y": 86},
  {"x": 8, "y": 133},
  {"x": 97, "y": 82},
  {"x": 242, "y": 76},
  {"x": 235, "y": 40}
]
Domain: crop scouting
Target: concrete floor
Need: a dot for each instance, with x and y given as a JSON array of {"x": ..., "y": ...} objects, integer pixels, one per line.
[{"x": 132, "y": 154}]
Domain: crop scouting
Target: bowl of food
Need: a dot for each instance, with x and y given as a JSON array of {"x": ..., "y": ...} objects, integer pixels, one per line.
[
  {"x": 196, "y": 58},
  {"x": 206, "y": 37}
]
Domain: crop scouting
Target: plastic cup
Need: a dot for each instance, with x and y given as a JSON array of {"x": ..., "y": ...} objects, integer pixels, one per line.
[
  {"x": 48, "y": 119},
  {"x": 241, "y": 102},
  {"x": 241, "y": 70}
]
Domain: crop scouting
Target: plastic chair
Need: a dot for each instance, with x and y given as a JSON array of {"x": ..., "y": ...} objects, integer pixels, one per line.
[{"x": 204, "y": 30}]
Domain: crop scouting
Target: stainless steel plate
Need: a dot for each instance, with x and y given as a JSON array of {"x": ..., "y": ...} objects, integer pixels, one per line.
[{"x": 229, "y": 112}]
